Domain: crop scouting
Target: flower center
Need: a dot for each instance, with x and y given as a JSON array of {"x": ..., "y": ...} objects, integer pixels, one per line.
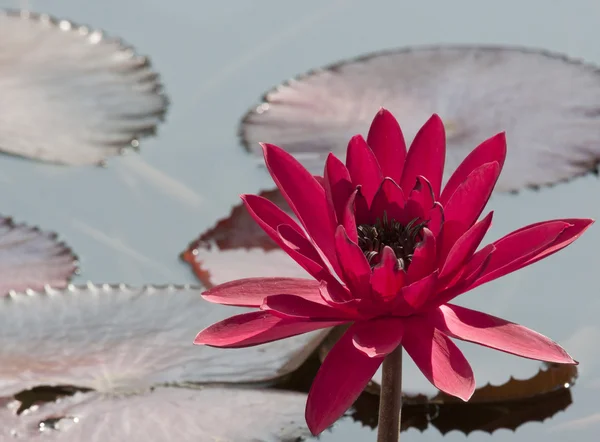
[{"x": 402, "y": 239}]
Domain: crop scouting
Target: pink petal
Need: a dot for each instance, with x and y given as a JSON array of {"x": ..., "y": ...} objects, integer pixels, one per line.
[
  {"x": 515, "y": 249},
  {"x": 439, "y": 359},
  {"x": 464, "y": 280},
  {"x": 255, "y": 328},
  {"x": 387, "y": 142},
  {"x": 435, "y": 219},
  {"x": 361, "y": 208},
  {"x": 251, "y": 292},
  {"x": 302, "y": 251},
  {"x": 419, "y": 292},
  {"x": 387, "y": 279},
  {"x": 334, "y": 294},
  {"x": 282, "y": 229},
  {"x": 356, "y": 270},
  {"x": 491, "y": 150},
  {"x": 471, "y": 196},
  {"x": 343, "y": 376},
  {"x": 378, "y": 337},
  {"x": 363, "y": 167},
  {"x": 424, "y": 258},
  {"x": 422, "y": 193},
  {"x": 465, "y": 246},
  {"x": 305, "y": 196},
  {"x": 389, "y": 200},
  {"x": 570, "y": 234},
  {"x": 420, "y": 202},
  {"x": 451, "y": 231},
  {"x": 490, "y": 331},
  {"x": 348, "y": 220},
  {"x": 338, "y": 185},
  {"x": 268, "y": 216},
  {"x": 291, "y": 306},
  {"x": 426, "y": 156}
]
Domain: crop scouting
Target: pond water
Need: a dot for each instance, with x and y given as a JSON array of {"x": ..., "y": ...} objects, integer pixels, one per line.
[{"x": 129, "y": 222}]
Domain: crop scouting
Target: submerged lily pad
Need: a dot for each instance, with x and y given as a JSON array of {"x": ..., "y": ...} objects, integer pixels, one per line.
[
  {"x": 548, "y": 104},
  {"x": 491, "y": 408},
  {"x": 70, "y": 94},
  {"x": 236, "y": 247},
  {"x": 117, "y": 338},
  {"x": 164, "y": 414},
  {"x": 31, "y": 258}
]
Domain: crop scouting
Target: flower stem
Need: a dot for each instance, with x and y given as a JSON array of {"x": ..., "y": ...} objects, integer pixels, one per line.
[{"x": 390, "y": 400}]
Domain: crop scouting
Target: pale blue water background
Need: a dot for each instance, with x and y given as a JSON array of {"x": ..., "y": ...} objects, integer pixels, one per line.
[{"x": 130, "y": 221}]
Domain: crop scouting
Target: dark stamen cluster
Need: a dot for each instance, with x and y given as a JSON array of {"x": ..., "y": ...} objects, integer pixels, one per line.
[{"x": 402, "y": 239}]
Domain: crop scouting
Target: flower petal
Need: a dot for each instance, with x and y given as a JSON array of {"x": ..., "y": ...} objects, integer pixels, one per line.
[
  {"x": 465, "y": 279},
  {"x": 426, "y": 156},
  {"x": 388, "y": 200},
  {"x": 363, "y": 167},
  {"x": 435, "y": 219},
  {"x": 387, "y": 142},
  {"x": 471, "y": 196},
  {"x": 255, "y": 328},
  {"x": 378, "y": 337},
  {"x": 334, "y": 293},
  {"x": 282, "y": 229},
  {"x": 356, "y": 270},
  {"x": 492, "y": 149},
  {"x": 343, "y": 376},
  {"x": 268, "y": 216},
  {"x": 490, "y": 331},
  {"x": 291, "y": 306},
  {"x": 422, "y": 194},
  {"x": 514, "y": 250},
  {"x": 305, "y": 196},
  {"x": 424, "y": 259},
  {"x": 570, "y": 234},
  {"x": 419, "y": 292},
  {"x": 338, "y": 185},
  {"x": 348, "y": 220},
  {"x": 438, "y": 358},
  {"x": 465, "y": 246},
  {"x": 251, "y": 292},
  {"x": 386, "y": 278},
  {"x": 361, "y": 208},
  {"x": 302, "y": 251}
]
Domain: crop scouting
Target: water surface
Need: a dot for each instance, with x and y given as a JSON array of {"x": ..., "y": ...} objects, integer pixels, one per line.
[{"x": 129, "y": 221}]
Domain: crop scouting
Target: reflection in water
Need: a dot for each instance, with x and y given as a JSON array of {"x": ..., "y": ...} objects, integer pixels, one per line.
[{"x": 509, "y": 405}]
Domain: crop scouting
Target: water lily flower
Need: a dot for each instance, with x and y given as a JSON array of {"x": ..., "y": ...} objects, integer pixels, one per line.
[{"x": 388, "y": 250}]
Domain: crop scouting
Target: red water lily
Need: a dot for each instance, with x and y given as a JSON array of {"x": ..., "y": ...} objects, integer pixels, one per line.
[{"x": 388, "y": 250}]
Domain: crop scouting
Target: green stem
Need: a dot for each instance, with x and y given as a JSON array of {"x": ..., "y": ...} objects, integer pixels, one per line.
[{"x": 390, "y": 400}]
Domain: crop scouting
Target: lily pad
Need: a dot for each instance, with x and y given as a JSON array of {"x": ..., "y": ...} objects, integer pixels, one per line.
[
  {"x": 491, "y": 408},
  {"x": 548, "y": 104},
  {"x": 236, "y": 247},
  {"x": 70, "y": 94},
  {"x": 165, "y": 414},
  {"x": 31, "y": 258},
  {"x": 117, "y": 338}
]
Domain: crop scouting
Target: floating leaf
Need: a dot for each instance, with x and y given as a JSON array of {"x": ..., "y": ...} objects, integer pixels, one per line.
[
  {"x": 116, "y": 338},
  {"x": 70, "y": 94},
  {"x": 492, "y": 406},
  {"x": 31, "y": 258},
  {"x": 165, "y": 414},
  {"x": 509, "y": 405},
  {"x": 236, "y": 247},
  {"x": 548, "y": 104}
]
